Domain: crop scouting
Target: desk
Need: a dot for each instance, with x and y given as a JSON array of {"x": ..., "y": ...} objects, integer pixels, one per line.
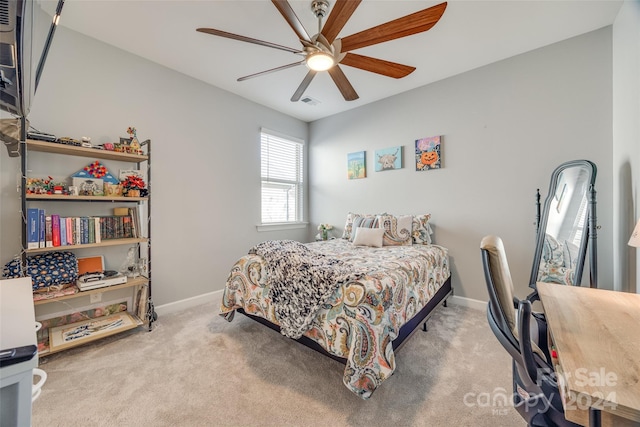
[
  {"x": 596, "y": 334},
  {"x": 17, "y": 329}
]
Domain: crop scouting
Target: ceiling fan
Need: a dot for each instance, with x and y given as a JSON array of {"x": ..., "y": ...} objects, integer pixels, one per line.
[{"x": 324, "y": 51}]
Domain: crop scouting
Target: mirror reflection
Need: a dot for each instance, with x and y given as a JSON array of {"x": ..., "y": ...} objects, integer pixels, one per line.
[{"x": 563, "y": 231}]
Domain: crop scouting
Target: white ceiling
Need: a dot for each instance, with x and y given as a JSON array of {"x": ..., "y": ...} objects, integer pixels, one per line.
[{"x": 469, "y": 35}]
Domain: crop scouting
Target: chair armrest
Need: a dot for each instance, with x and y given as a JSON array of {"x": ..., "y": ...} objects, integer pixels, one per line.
[
  {"x": 533, "y": 297},
  {"x": 524, "y": 333}
]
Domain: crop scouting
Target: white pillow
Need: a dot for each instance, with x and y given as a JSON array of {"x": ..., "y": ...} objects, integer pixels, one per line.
[{"x": 368, "y": 237}]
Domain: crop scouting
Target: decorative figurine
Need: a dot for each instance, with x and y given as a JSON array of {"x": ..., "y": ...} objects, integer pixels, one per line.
[
  {"x": 134, "y": 186},
  {"x": 130, "y": 265},
  {"x": 134, "y": 144}
]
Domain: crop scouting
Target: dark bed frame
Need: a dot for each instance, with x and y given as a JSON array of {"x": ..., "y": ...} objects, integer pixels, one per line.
[{"x": 405, "y": 331}]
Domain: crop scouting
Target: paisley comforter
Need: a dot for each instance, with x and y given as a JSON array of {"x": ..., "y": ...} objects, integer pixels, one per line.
[{"x": 362, "y": 317}]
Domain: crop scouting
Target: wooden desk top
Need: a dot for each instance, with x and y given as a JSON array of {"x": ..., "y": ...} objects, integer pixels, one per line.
[{"x": 596, "y": 333}]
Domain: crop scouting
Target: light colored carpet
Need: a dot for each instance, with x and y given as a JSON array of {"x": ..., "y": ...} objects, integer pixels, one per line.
[{"x": 196, "y": 369}]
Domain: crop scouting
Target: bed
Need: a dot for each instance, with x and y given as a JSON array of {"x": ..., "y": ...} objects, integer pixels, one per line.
[{"x": 382, "y": 294}]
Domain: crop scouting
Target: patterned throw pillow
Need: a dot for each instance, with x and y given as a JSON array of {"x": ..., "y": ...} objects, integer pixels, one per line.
[
  {"x": 363, "y": 222},
  {"x": 397, "y": 229},
  {"x": 421, "y": 230},
  {"x": 349, "y": 229}
]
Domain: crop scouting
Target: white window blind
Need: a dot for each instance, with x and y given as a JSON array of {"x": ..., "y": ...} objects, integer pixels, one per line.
[{"x": 282, "y": 178}]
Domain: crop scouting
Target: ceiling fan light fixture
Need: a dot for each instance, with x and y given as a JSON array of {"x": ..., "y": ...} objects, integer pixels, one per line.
[{"x": 320, "y": 61}]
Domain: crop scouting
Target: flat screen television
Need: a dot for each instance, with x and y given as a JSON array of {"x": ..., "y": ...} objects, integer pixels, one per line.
[{"x": 27, "y": 28}]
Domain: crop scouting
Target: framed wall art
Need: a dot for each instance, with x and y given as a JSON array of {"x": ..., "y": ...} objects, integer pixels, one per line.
[
  {"x": 428, "y": 154},
  {"x": 388, "y": 159},
  {"x": 88, "y": 186},
  {"x": 356, "y": 165}
]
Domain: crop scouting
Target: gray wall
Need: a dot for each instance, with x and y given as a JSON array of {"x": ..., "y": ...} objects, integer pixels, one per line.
[
  {"x": 626, "y": 144},
  {"x": 505, "y": 127},
  {"x": 205, "y": 161}
]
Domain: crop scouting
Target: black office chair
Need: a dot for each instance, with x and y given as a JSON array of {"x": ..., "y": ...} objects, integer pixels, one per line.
[{"x": 535, "y": 390}]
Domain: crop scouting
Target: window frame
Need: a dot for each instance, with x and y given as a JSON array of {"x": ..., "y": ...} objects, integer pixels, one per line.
[{"x": 299, "y": 221}]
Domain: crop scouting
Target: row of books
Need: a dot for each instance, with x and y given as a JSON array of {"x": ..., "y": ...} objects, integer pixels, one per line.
[{"x": 45, "y": 231}]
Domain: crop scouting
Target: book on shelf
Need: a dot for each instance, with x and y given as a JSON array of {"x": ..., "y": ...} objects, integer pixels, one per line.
[
  {"x": 91, "y": 230},
  {"x": 96, "y": 228},
  {"x": 70, "y": 225},
  {"x": 126, "y": 222},
  {"x": 39, "y": 296},
  {"x": 63, "y": 231},
  {"x": 81, "y": 230},
  {"x": 134, "y": 226},
  {"x": 84, "y": 230},
  {"x": 141, "y": 302},
  {"x": 134, "y": 213},
  {"x": 33, "y": 228},
  {"x": 48, "y": 233},
  {"x": 42, "y": 228},
  {"x": 55, "y": 230},
  {"x": 116, "y": 227},
  {"x": 76, "y": 231}
]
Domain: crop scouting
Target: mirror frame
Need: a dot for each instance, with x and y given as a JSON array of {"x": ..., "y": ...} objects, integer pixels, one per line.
[{"x": 590, "y": 229}]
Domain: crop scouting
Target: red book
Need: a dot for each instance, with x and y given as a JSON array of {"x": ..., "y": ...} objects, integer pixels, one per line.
[{"x": 55, "y": 229}]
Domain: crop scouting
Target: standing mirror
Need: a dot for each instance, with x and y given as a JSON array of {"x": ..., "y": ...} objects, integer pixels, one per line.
[{"x": 566, "y": 227}]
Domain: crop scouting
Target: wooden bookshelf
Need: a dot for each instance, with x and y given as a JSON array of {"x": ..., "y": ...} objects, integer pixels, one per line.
[
  {"x": 72, "y": 150},
  {"x": 130, "y": 322},
  {"x": 137, "y": 281},
  {"x": 68, "y": 198},
  {"x": 71, "y": 300},
  {"x": 107, "y": 242}
]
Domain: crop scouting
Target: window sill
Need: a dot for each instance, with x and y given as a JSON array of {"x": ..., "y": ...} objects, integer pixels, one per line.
[{"x": 281, "y": 226}]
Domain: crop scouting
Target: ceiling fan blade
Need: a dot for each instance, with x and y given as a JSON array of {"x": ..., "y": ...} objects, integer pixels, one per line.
[
  {"x": 340, "y": 14},
  {"x": 290, "y": 16},
  {"x": 303, "y": 86},
  {"x": 379, "y": 66},
  {"x": 262, "y": 73},
  {"x": 408, "y": 25},
  {"x": 348, "y": 92},
  {"x": 221, "y": 33}
]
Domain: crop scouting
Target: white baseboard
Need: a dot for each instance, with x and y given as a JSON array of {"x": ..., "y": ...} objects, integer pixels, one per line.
[
  {"x": 468, "y": 302},
  {"x": 188, "y": 302},
  {"x": 216, "y": 295}
]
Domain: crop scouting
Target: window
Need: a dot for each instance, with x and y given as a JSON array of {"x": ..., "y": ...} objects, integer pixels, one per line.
[{"x": 282, "y": 182}]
